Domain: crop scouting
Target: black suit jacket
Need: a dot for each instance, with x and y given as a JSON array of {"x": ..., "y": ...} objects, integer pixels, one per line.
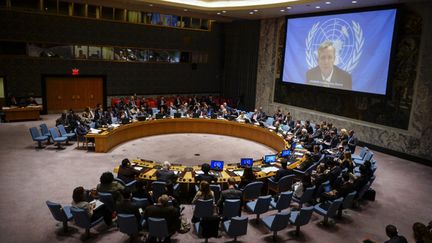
[
  {"x": 281, "y": 173},
  {"x": 230, "y": 193},
  {"x": 340, "y": 79},
  {"x": 167, "y": 176}
]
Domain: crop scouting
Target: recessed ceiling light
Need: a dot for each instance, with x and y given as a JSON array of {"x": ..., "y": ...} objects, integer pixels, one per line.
[
  {"x": 218, "y": 13},
  {"x": 251, "y": 12},
  {"x": 327, "y": 2},
  {"x": 289, "y": 7},
  {"x": 282, "y": 10},
  {"x": 185, "y": 10},
  {"x": 151, "y": 5},
  {"x": 317, "y": 7},
  {"x": 354, "y": 1},
  {"x": 255, "y": 10},
  {"x": 223, "y": 11}
]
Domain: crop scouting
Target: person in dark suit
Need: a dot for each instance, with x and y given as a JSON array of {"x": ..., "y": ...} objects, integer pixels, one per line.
[
  {"x": 352, "y": 141},
  {"x": 126, "y": 206},
  {"x": 283, "y": 171},
  {"x": 168, "y": 176},
  {"x": 247, "y": 177},
  {"x": 230, "y": 193},
  {"x": 327, "y": 74},
  {"x": 306, "y": 163},
  {"x": 162, "y": 210},
  {"x": 126, "y": 173},
  {"x": 205, "y": 168}
]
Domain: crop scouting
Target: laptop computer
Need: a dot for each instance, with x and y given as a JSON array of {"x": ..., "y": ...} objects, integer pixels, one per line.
[
  {"x": 246, "y": 162},
  {"x": 285, "y": 153},
  {"x": 270, "y": 159},
  {"x": 216, "y": 165}
]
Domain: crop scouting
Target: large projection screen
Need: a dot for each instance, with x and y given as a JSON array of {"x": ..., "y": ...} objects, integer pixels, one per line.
[{"x": 349, "y": 51}]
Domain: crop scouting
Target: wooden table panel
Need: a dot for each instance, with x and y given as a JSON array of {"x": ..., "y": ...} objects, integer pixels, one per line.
[{"x": 24, "y": 113}]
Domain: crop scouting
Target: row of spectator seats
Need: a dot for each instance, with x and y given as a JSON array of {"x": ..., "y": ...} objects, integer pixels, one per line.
[
  {"x": 234, "y": 224},
  {"x": 57, "y": 134}
]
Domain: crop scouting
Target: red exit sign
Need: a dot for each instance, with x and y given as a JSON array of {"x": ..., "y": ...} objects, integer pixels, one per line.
[{"x": 75, "y": 71}]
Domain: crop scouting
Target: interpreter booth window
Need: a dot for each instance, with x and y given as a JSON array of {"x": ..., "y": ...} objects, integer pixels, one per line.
[
  {"x": 108, "y": 53},
  {"x": 81, "y": 52},
  {"x": 94, "y": 52},
  {"x": 196, "y": 23},
  {"x": 50, "y": 6},
  {"x": 146, "y": 17},
  {"x": 93, "y": 11},
  {"x": 2, "y": 94},
  {"x": 134, "y": 17},
  {"x": 64, "y": 8},
  {"x": 204, "y": 24},
  {"x": 174, "y": 56},
  {"x": 143, "y": 55},
  {"x": 119, "y": 14},
  {"x": 27, "y": 5},
  {"x": 79, "y": 10},
  {"x": 187, "y": 22},
  {"x": 107, "y": 13}
]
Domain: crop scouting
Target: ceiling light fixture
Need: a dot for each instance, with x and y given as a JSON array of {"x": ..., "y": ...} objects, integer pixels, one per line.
[
  {"x": 218, "y": 13},
  {"x": 354, "y": 1},
  {"x": 223, "y": 11},
  {"x": 151, "y": 5},
  {"x": 255, "y": 10},
  {"x": 282, "y": 10},
  {"x": 251, "y": 12},
  {"x": 327, "y": 2},
  {"x": 185, "y": 10},
  {"x": 289, "y": 7},
  {"x": 317, "y": 7}
]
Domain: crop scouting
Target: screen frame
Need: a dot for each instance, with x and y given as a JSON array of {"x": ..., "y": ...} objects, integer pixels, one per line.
[
  {"x": 265, "y": 158},
  {"x": 249, "y": 159},
  {"x": 391, "y": 67},
  {"x": 286, "y": 151},
  {"x": 214, "y": 161}
]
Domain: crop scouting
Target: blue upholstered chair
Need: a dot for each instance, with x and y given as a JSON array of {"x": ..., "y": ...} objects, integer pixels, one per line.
[
  {"x": 83, "y": 220},
  {"x": 63, "y": 133},
  {"x": 276, "y": 222},
  {"x": 203, "y": 208},
  {"x": 284, "y": 184},
  {"x": 231, "y": 208},
  {"x": 252, "y": 190},
  {"x": 158, "y": 228},
  {"x": 321, "y": 189},
  {"x": 127, "y": 223},
  {"x": 283, "y": 201},
  {"x": 347, "y": 203},
  {"x": 56, "y": 137},
  {"x": 306, "y": 197},
  {"x": 328, "y": 210},
  {"x": 259, "y": 206},
  {"x": 159, "y": 188},
  {"x": 37, "y": 137},
  {"x": 60, "y": 213},
  {"x": 207, "y": 227},
  {"x": 361, "y": 155},
  {"x": 140, "y": 202},
  {"x": 367, "y": 157},
  {"x": 129, "y": 185},
  {"x": 108, "y": 200},
  {"x": 235, "y": 227},
  {"x": 216, "y": 191},
  {"x": 45, "y": 131},
  {"x": 300, "y": 218}
]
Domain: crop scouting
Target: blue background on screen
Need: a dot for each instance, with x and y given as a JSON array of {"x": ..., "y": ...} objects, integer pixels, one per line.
[
  {"x": 370, "y": 74},
  {"x": 286, "y": 153},
  {"x": 246, "y": 162},
  {"x": 216, "y": 165},
  {"x": 270, "y": 158}
]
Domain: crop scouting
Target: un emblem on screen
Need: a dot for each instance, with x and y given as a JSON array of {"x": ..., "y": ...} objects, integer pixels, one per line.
[{"x": 347, "y": 39}]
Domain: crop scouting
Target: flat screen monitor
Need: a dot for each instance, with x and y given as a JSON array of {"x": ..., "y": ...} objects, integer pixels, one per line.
[
  {"x": 347, "y": 51},
  {"x": 293, "y": 146},
  {"x": 270, "y": 158},
  {"x": 216, "y": 165},
  {"x": 246, "y": 162},
  {"x": 286, "y": 153}
]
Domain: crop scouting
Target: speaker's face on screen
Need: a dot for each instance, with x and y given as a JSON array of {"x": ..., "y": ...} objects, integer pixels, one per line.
[{"x": 326, "y": 58}]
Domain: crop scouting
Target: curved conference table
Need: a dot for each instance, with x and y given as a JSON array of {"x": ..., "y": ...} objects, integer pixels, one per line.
[{"x": 106, "y": 140}]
